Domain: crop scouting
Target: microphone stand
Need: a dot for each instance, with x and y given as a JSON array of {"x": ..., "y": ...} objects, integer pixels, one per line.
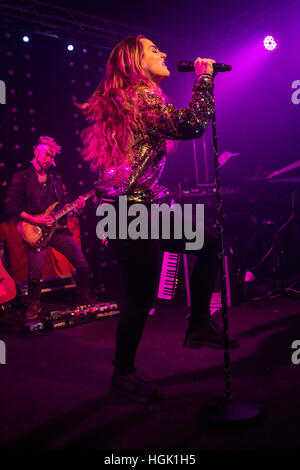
[{"x": 229, "y": 411}]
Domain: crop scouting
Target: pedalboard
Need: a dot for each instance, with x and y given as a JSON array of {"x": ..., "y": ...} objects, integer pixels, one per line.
[{"x": 72, "y": 317}]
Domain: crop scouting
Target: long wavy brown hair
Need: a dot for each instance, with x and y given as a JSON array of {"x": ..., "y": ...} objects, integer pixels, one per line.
[{"x": 118, "y": 108}]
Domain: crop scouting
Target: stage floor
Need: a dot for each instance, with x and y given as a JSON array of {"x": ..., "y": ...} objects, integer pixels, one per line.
[{"x": 55, "y": 388}]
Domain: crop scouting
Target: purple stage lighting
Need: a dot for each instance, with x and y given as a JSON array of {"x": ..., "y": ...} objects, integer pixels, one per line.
[
  {"x": 70, "y": 47},
  {"x": 270, "y": 43},
  {"x": 25, "y": 38}
]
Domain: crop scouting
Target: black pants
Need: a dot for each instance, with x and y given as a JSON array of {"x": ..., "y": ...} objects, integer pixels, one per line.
[
  {"x": 139, "y": 262},
  {"x": 62, "y": 241}
]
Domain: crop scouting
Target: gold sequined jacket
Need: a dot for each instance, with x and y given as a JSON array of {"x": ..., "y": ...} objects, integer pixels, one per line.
[{"x": 140, "y": 182}]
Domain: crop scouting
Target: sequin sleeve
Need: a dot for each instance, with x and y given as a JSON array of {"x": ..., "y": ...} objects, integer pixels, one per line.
[
  {"x": 190, "y": 122},
  {"x": 139, "y": 181}
]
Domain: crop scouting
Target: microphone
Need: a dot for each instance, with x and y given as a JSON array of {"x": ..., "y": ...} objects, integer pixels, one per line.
[{"x": 187, "y": 66}]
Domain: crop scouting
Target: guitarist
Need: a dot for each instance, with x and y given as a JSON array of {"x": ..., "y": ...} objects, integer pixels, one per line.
[{"x": 30, "y": 193}]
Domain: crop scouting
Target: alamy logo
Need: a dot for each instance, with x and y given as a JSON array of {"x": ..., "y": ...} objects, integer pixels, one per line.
[
  {"x": 296, "y": 94},
  {"x": 2, "y": 352},
  {"x": 296, "y": 354},
  {"x": 138, "y": 227},
  {"x": 2, "y": 92}
]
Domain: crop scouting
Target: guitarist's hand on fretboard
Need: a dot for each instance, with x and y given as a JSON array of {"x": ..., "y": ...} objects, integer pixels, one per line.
[{"x": 80, "y": 204}]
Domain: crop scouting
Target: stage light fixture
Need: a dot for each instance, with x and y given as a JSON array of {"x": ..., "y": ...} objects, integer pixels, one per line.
[
  {"x": 70, "y": 47},
  {"x": 25, "y": 38},
  {"x": 270, "y": 43}
]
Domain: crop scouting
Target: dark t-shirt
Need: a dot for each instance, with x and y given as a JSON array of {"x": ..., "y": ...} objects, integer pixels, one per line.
[{"x": 43, "y": 195}]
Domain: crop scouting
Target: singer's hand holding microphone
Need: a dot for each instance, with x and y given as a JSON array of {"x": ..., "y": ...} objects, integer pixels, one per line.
[{"x": 204, "y": 66}]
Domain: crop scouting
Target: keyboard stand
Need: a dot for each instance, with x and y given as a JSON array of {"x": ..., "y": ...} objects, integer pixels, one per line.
[{"x": 187, "y": 284}]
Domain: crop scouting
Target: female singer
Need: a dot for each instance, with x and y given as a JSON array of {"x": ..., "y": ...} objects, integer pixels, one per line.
[{"x": 131, "y": 125}]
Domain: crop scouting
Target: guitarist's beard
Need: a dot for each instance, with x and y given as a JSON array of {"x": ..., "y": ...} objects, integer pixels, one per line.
[{"x": 41, "y": 168}]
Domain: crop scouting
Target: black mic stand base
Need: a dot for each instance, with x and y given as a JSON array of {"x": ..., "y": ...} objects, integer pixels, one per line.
[{"x": 235, "y": 412}]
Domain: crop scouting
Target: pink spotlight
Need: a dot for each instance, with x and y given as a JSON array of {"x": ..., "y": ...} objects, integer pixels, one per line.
[{"x": 270, "y": 43}]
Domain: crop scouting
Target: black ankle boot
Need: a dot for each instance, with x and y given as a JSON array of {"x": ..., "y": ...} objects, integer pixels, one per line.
[
  {"x": 132, "y": 384},
  {"x": 33, "y": 310},
  {"x": 207, "y": 333}
]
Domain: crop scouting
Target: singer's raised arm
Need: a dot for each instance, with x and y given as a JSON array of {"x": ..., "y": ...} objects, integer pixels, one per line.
[{"x": 185, "y": 123}]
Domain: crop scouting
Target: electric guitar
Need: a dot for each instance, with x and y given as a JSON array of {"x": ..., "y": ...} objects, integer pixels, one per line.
[{"x": 38, "y": 236}]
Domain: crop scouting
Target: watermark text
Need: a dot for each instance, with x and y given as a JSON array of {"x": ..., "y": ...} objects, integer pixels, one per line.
[
  {"x": 296, "y": 94},
  {"x": 152, "y": 221},
  {"x": 2, "y": 352},
  {"x": 2, "y": 92},
  {"x": 296, "y": 354}
]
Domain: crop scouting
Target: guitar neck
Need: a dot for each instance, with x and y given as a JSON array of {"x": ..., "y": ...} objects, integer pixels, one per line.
[{"x": 69, "y": 207}]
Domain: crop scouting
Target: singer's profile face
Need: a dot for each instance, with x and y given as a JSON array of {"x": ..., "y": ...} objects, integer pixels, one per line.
[{"x": 153, "y": 61}]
